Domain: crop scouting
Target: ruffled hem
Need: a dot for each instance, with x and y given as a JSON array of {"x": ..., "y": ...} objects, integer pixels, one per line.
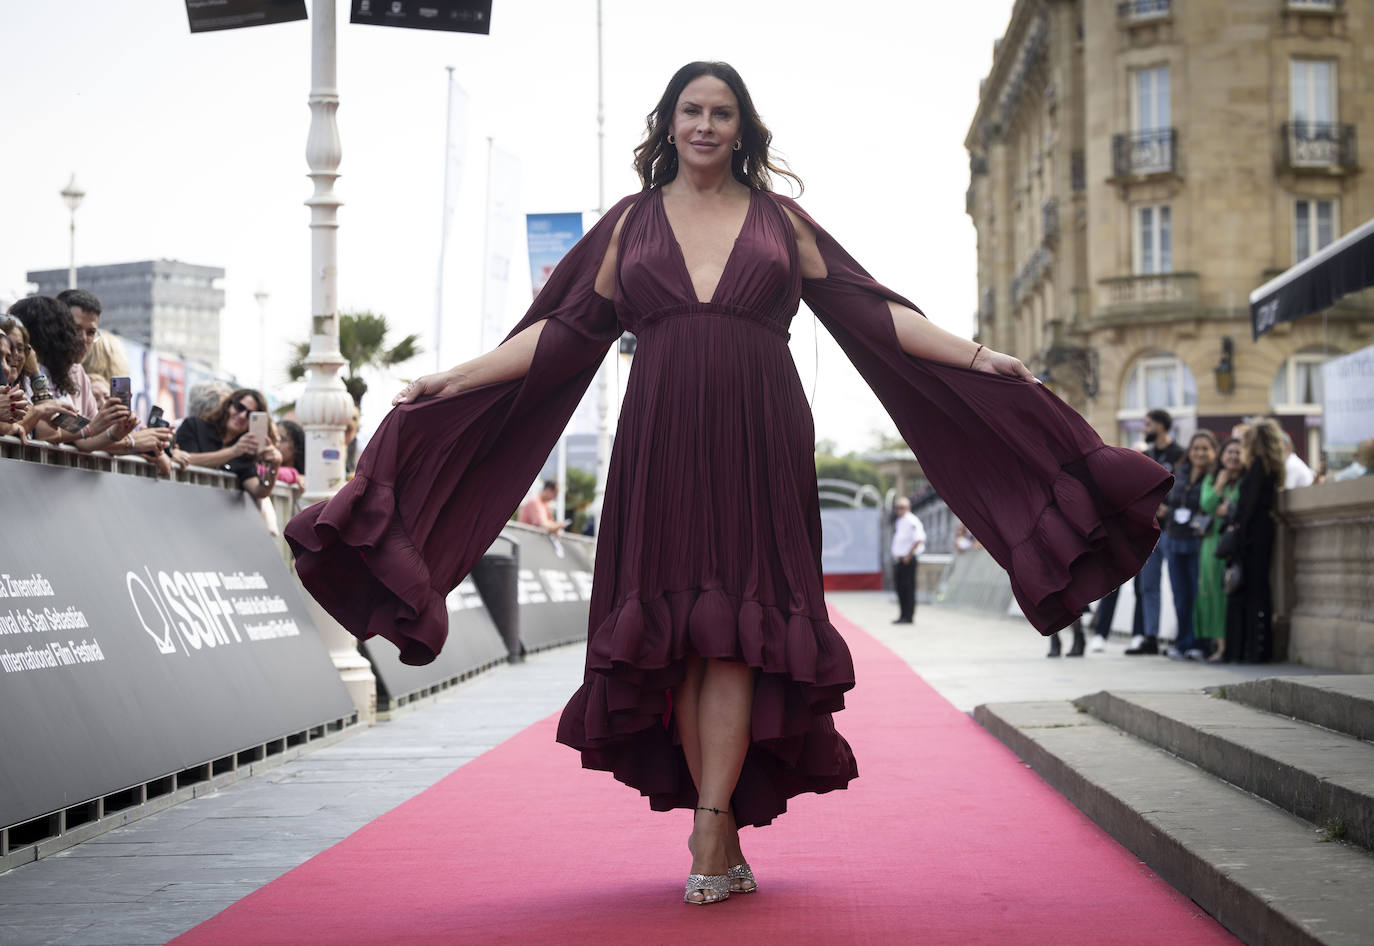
[
  {"x": 621, "y": 718},
  {"x": 1099, "y": 525},
  {"x": 355, "y": 556}
]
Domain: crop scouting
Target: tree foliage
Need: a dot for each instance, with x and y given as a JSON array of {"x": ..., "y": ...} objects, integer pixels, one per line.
[{"x": 363, "y": 343}]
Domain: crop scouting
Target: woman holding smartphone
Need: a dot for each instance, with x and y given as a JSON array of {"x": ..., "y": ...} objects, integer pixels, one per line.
[{"x": 222, "y": 439}]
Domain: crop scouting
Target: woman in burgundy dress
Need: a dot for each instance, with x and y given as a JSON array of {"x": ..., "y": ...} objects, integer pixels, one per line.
[{"x": 712, "y": 669}]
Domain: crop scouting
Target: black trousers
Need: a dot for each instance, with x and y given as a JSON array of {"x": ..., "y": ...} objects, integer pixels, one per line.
[{"x": 904, "y": 576}]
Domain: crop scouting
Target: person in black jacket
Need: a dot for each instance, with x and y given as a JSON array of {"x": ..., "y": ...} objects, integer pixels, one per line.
[
  {"x": 1183, "y": 538},
  {"x": 1249, "y": 630},
  {"x": 221, "y": 439}
]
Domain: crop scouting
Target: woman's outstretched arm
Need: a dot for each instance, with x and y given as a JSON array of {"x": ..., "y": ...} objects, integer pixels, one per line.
[
  {"x": 917, "y": 335},
  {"x": 512, "y": 358}
]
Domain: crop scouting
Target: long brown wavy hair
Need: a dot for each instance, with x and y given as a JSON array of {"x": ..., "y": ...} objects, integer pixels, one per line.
[
  {"x": 656, "y": 159},
  {"x": 1262, "y": 442},
  {"x": 218, "y": 417}
]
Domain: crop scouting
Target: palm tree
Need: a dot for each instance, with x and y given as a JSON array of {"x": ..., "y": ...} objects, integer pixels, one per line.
[{"x": 362, "y": 342}]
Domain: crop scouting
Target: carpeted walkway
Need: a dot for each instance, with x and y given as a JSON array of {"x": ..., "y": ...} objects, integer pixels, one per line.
[{"x": 946, "y": 837}]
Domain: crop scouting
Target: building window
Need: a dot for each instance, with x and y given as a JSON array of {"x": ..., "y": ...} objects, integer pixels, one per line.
[
  {"x": 1150, "y": 99},
  {"x": 1312, "y": 91},
  {"x": 1297, "y": 388},
  {"x": 1154, "y": 242},
  {"x": 1314, "y": 226},
  {"x": 1159, "y": 380}
]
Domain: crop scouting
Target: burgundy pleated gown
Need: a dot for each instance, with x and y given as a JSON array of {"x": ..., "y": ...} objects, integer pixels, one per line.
[{"x": 710, "y": 537}]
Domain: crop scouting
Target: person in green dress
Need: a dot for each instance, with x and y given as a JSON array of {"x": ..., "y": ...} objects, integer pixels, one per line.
[{"x": 1219, "y": 491}]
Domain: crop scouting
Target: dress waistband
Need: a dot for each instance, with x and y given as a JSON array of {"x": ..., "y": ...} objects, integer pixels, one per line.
[{"x": 716, "y": 310}]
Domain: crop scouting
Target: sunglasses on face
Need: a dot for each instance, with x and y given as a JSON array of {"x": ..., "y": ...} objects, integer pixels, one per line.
[{"x": 238, "y": 408}]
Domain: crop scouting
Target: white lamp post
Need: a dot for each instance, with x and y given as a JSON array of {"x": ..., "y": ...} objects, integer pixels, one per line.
[
  {"x": 325, "y": 407},
  {"x": 73, "y": 195},
  {"x": 261, "y": 297}
]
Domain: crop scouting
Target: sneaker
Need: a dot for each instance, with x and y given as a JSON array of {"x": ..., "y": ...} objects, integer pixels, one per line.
[
  {"x": 1173, "y": 653},
  {"x": 1142, "y": 645},
  {"x": 1194, "y": 653},
  {"x": 1097, "y": 644}
]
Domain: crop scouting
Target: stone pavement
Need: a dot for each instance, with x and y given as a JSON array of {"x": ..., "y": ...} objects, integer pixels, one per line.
[{"x": 150, "y": 880}]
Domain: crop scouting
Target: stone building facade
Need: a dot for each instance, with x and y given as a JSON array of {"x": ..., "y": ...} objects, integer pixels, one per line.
[
  {"x": 167, "y": 305},
  {"x": 1138, "y": 168}
]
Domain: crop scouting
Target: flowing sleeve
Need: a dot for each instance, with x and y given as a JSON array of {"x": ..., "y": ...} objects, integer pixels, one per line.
[
  {"x": 1067, "y": 516},
  {"x": 441, "y": 476}
]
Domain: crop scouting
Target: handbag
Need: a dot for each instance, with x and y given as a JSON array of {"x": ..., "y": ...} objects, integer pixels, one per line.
[
  {"x": 1200, "y": 522},
  {"x": 1228, "y": 544},
  {"x": 1234, "y": 578}
]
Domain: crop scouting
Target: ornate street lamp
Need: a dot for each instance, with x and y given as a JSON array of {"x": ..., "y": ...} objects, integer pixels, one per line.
[{"x": 73, "y": 195}]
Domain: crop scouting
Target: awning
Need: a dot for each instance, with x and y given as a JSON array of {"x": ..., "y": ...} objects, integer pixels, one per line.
[{"x": 1314, "y": 284}]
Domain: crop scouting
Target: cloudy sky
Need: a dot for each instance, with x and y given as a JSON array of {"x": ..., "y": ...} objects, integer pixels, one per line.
[{"x": 191, "y": 147}]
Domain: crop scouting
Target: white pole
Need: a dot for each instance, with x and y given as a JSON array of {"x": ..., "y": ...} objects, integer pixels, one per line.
[
  {"x": 603, "y": 376},
  {"x": 486, "y": 258},
  {"x": 71, "y": 266},
  {"x": 261, "y": 296},
  {"x": 443, "y": 235},
  {"x": 324, "y": 406}
]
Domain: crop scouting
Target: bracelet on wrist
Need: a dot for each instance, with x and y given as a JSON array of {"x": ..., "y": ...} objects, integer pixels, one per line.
[{"x": 978, "y": 351}]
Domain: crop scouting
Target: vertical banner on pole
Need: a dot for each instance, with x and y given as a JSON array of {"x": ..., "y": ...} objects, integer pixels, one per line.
[
  {"x": 503, "y": 197},
  {"x": 550, "y": 237},
  {"x": 455, "y": 157}
]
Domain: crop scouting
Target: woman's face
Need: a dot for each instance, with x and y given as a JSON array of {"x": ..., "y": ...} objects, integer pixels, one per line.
[
  {"x": 238, "y": 415},
  {"x": 17, "y": 353},
  {"x": 5, "y": 371},
  {"x": 706, "y": 124},
  {"x": 1201, "y": 455},
  {"x": 287, "y": 446},
  {"x": 1230, "y": 457}
]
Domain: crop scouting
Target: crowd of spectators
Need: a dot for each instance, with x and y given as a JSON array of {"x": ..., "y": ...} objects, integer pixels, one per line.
[{"x": 57, "y": 386}]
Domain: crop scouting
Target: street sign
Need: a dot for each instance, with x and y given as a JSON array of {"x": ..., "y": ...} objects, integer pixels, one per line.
[
  {"x": 457, "y": 16},
  {"x": 207, "y": 15}
]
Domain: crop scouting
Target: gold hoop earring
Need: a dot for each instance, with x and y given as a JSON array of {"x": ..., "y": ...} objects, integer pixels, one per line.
[
  {"x": 672, "y": 140},
  {"x": 738, "y": 144}
]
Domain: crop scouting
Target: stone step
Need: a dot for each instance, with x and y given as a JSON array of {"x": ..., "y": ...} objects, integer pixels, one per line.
[
  {"x": 1263, "y": 873},
  {"x": 1319, "y": 775},
  {"x": 1343, "y": 702}
]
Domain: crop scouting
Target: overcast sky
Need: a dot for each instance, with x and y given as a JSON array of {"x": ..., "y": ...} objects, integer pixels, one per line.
[{"x": 192, "y": 147}]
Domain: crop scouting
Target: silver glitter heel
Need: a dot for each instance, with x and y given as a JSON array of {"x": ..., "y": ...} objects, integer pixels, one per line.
[
  {"x": 742, "y": 875},
  {"x": 707, "y": 885}
]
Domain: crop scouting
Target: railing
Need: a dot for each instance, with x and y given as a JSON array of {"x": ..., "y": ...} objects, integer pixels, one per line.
[
  {"x": 1160, "y": 289},
  {"x": 284, "y": 498},
  {"x": 1142, "y": 9},
  {"x": 1329, "y": 145},
  {"x": 1144, "y": 153}
]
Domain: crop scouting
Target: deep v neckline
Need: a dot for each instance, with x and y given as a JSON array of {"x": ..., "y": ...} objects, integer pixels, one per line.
[{"x": 682, "y": 257}]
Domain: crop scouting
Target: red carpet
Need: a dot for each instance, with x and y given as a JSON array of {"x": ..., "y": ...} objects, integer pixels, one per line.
[{"x": 946, "y": 837}]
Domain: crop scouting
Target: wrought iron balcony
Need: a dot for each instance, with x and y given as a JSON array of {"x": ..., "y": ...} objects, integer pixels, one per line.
[
  {"x": 1144, "y": 153},
  {"x": 1328, "y": 145},
  {"x": 1142, "y": 9}
]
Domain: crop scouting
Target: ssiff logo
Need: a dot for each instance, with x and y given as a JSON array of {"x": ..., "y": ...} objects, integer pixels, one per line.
[{"x": 183, "y": 607}]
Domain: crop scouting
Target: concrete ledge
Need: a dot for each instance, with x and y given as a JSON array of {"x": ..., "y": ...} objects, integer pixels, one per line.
[
  {"x": 1262, "y": 873},
  {"x": 1321, "y": 776},
  {"x": 1344, "y": 702}
]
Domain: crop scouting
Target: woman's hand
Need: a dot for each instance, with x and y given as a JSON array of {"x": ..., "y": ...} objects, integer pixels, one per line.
[
  {"x": 1223, "y": 509},
  {"x": 247, "y": 446},
  {"x": 994, "y": 362},
  {"x": 112, "y": 413},
  {"x": 181, "y": 458},
  {"x": 151, "y": 440},
  {"x": 443, "y": 384},
  {"x": 271, "y": 456},
  {"x": 46, "y": 411}
]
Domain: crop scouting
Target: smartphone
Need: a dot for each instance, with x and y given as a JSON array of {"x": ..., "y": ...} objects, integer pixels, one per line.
[
  {"x": 120, "y": 388},
  {"x": 257, "y": 426},
  {"x": 69, "y": 423},
  {"x": 155, "y": 418}
]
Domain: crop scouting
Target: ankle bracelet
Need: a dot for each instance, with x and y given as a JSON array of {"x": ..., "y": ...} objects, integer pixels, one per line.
[{"x": 714, "y": 811}]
